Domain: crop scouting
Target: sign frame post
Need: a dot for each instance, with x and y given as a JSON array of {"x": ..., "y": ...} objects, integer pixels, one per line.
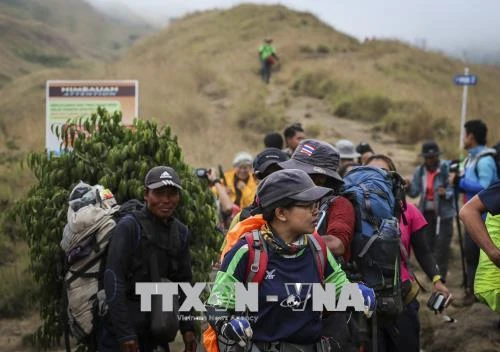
[{"x": 464, "y": 111}]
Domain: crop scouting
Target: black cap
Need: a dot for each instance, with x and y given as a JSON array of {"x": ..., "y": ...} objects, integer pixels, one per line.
[
  {"x": 288, "y": 184},
  {"x": 162, "y": 176},
  {"x": 364, "y": 147},
  {"x": 430, "y": 148},
  {"x": 268, "y": 157},
  {"x": 315, "y": 157}
]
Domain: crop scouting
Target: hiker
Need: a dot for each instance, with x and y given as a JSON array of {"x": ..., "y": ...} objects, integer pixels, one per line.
[
  {"x": 479, "y": 172},
  {"x": 264, "y": 164},
  {"x": 403, "y": 333},
  {"x": 344, "y": 169},
  {"x": 320, "y": 161},
  {"x": 288, "y": 201},
  {"x": 241, "y": 184},
  {"x": 146, "y": 246},
  {"x": 347, "y": 152},
  {"x": 273, "y": 140},
  {"x": 487, "y": 237},
  {"x": 225, "y": 206},
  {"x": 365, "y": 151},
  {"x": 267, "y": 57},
  {"x": 430, "y": 183},
  {"x": 294, "y": 134}
]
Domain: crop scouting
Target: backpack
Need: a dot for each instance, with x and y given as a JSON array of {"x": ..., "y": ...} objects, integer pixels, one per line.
[
  {"x": 92, "y": 215},
  {"x": 494, "y": 153},
  {"x": 257, "y": 261},
  {"x": 379, "y": 201}
]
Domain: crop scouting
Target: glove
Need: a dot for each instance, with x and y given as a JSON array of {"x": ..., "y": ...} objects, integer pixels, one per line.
[
  {"x": 368, "y": 298},
  {"x": 238, "y": 330}
]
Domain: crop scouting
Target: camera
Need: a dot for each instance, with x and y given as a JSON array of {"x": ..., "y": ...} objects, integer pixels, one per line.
[
  {"x": 454, "y": 166},
  {"x": 201, "y": 172},
  {"x": 437, "y": 302}
]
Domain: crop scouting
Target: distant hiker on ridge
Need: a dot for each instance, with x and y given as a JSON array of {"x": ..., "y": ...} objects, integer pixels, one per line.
[{"x": 267, "y": 56}]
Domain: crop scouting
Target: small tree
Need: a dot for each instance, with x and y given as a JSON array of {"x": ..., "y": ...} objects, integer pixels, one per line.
[{"x": 117, "y": 157}]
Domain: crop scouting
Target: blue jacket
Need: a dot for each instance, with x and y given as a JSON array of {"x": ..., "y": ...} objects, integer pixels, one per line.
[
  {"x": 480, "y": 176},
  {"x": 445, "y": 206}
]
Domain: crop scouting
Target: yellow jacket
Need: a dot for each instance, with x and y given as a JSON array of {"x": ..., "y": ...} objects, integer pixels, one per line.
[{"x": 247, "y": 192}]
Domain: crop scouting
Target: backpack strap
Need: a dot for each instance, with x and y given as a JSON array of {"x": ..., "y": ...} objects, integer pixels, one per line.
[
  {"x": 409, "y": 266},
  {"x": 318, "y": 247},
  {"x": 479, "y": 157},
  {"x": 257, "y": 257}
]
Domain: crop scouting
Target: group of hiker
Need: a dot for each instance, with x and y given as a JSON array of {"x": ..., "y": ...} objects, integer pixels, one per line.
[{"x": 303, "y": 212}]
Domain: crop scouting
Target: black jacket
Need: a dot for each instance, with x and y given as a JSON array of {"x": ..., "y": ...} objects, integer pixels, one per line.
[{"x": 128, "y": 262}]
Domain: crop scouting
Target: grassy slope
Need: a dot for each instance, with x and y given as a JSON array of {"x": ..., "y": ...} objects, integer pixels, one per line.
[
  {"x": 200, "y": 76},
  {"x": 38, "y": 34}
]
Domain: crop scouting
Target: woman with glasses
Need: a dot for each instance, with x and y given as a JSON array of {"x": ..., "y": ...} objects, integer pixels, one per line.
[{"x": 288, "y": 203}]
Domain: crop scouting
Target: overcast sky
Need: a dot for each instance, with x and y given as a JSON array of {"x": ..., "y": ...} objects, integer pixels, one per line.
[{"x": 450, "y": 25}]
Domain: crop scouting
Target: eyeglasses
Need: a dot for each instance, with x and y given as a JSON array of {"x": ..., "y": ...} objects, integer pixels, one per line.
[{"x": 307, "y": 205}]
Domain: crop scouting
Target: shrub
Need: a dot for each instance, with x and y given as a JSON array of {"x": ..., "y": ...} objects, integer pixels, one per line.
[
  {"x": 255, "y": 115},
  {"x": 315, "y": 84},
  {"x": 117, "y": 157},
  {"x": 364, "y": 108},
  {"x": 306, "y": 49},
  {"x": 322, "y": 49}
]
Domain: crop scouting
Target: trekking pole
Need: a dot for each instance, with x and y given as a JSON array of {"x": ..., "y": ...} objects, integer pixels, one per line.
[
  {"x": 374, "y": 333},
  {"x": 461, "y": 243}
]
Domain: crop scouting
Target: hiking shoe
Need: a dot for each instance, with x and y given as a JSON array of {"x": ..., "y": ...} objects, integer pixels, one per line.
[{"x": 466, "y": 301}]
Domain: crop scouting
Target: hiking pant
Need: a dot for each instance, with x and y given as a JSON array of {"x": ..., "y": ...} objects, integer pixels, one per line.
[
  {"x": 403, "y": 335},
  {"x": 107, "y": 341},
  {"x": 471, "y": 250},
  {"x": 439, "y": 243},
  {"x": 265, "y": 70},
  {"x": 337, "y": 327}
]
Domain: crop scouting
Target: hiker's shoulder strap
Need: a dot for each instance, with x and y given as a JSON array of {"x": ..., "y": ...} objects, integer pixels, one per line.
[
  {"x": 257, "y": 257},
  {"x": 320, "y": 253}
]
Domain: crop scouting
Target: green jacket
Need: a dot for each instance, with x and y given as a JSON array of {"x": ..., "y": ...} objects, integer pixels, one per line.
[{"x": 266, "y": 50}]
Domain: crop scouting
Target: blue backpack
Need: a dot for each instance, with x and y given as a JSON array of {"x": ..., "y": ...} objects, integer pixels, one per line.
[{"x": 379, "y": 201}]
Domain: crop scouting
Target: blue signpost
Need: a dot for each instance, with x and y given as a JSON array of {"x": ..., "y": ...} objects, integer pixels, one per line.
[{"x": 464, "y": 80}]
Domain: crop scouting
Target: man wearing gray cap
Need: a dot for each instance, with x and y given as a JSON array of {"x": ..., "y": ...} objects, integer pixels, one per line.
[{"x": 148, "y": 245}]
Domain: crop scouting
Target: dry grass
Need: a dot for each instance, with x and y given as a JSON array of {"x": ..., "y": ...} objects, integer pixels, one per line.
[{"x": 200, "y": 75}]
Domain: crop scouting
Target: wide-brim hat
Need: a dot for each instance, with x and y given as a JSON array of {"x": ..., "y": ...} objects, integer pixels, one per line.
[{"x": 315, "y": 157}]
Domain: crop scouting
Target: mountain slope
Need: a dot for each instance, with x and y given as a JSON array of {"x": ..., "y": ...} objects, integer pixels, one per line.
[
  {"x": 200, "y": 75},
  {"x": 54, "y": 33}
]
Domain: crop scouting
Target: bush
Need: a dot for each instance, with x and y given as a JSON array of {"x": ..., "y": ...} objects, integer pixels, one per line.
[
  {"x": 255, "y": 115},
  {"x": 364, "y": 108},
  {"x": 117, "y": 157},
  {"x": 306, "y": 49},
  {"x": 411, "y": 123},
  {"x": 18, "y": 288},
  {"x": 322, "y": 49},
  {"x": 315, "y": 84}
]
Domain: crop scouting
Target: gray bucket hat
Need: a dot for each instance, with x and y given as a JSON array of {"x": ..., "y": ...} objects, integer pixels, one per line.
[
  {"x": 346, "y": 149},
  {"x": 315, "y": 157}
]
